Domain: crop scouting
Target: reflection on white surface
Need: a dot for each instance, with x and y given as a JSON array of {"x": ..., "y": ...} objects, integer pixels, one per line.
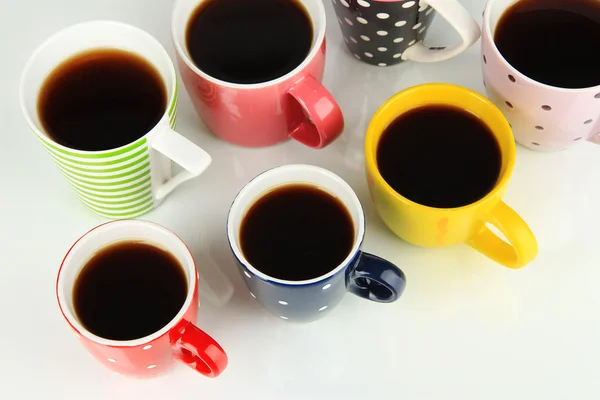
[{"x": 465, "y": 328}]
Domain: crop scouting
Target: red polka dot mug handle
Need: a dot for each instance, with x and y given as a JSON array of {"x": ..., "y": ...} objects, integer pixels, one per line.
[
  {"x": 315, "y": 119},
  {"x": 199, "y": 351},
  {"x": 460, "y": 19}
]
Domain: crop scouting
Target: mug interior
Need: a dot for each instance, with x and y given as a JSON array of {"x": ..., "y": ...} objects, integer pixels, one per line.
[
  {"x": 442, "y": 94},
  {"x": 84, "y": 37},
  {"x": 290, "y": 174},
  {"x": 494, "y": 10},
  {"x": 184, "y": 9},
  {"x": 113, "y": 232}
]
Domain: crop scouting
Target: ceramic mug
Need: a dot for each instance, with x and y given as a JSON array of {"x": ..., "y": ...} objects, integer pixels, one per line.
[
  {"x": 361, "y": 273},
  {"x": 295, "y": 105},
  {"x": 388, "y": 32},
  {"x": 135, "y": 178},
  {"x": 543, "y": 117},
  {"x": 154, "y": 354},
  {"x": 437, "y": 227}
]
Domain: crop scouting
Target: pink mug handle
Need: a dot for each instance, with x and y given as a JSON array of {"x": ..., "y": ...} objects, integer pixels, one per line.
[
  {"x": 595, "y": 138},
  {"x": 199, "y": 351},
  {"x": 323, "y": 121}
]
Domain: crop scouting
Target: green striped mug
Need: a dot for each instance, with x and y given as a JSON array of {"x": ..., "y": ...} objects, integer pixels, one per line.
[{"x": 131, "y": 180}]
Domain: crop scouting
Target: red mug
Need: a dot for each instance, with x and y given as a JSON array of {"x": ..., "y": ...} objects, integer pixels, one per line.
[
  {"x": 152, "y": 355},
  {"x": 295, "y": 105}
]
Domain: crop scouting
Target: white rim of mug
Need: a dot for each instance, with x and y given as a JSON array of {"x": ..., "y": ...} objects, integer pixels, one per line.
[
  {"x": 72, "y": 319},
  {"x": 490, "y": 37},
  {"x": 56, "y": 35},
  {"x": 181, "y": 49},
  {"x": 232, "y": 231}
]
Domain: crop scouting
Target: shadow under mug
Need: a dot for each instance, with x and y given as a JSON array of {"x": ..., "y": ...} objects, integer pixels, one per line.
[
  {"x": 361, "y": 273},
  {"x": 154, "y": 354},
  {"x": 543, "y": 117},
  {"x": 388, "y": 32},
  {"x": 438, "y": 227},
  {"x": 295, "y": 105},
  {"x": 133, "y": 179}
]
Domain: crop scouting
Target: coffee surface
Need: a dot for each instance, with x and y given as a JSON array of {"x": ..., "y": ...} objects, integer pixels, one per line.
[
  {"x": 439, "y": 156},
  {"x": 296, "y": 232},
  {"x": 552, "y": 41},
  {"x": 101, "y": 99},
  {"x": 129, "y": 290},
  {"x": 247, "y": 42}
]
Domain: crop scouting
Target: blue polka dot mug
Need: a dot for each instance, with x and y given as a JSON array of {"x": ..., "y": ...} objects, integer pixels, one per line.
[
  {"x": 387, "y": 32},
  {"x": 361, "y": 273}
]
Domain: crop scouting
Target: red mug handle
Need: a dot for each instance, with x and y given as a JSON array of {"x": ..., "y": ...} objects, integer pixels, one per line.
[
  {"x": 323, "y": 120},
  {"x": 199, "y": 351}
]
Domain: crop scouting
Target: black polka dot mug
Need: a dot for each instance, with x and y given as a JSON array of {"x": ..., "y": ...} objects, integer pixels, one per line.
[
  {"x": 542, "y": 117},
  {"x": 387, "y": 32},
  {"x": 361, "y": 273}
]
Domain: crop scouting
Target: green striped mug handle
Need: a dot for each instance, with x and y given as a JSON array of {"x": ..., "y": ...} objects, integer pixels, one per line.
[{"x": 182, "y": 151}]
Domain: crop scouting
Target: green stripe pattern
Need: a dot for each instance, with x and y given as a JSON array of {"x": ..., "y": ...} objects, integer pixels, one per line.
[{"x": 113, "y": 183}]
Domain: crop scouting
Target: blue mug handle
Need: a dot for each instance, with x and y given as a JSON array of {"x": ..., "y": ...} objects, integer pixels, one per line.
[{"x": 376, "y": 279}]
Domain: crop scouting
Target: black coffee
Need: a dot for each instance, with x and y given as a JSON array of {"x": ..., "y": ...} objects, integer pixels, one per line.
[
  {"x": 296, "y": 232},
  {"x": 101, "y": 99},
  {"x": 129, "y": 290},
  {"x": 243, "y": 41},
  {"x": 552, "y": 41},
  {"x": 439, "y": 156}
]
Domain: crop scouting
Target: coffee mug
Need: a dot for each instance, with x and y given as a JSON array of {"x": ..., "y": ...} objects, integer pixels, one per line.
[
  {"x": 135, "y": 178},
  {"x": 438, "y": 227},
  {"x": 543, "y": 117},
  {"x": 388, "y": 32},
  {"x": 152, "y": 355},
  {"x": 361, "y": 273},
  {"x": 295, "y": 105}
]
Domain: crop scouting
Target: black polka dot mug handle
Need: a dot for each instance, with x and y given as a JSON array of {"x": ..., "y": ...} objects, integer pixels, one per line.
[
  {"x": 387, "y": 32},
  {"x": 460, "y": 19}
]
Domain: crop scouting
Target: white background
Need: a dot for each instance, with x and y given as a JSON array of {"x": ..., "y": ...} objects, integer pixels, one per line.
[{"x": 465, "y": 328}]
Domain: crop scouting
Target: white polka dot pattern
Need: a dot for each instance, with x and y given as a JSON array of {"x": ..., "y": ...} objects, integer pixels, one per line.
[{"x": 378, "y": 32}]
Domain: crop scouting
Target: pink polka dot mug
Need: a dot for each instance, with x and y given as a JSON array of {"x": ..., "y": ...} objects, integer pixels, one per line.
[{"x": 543, "y": 117}]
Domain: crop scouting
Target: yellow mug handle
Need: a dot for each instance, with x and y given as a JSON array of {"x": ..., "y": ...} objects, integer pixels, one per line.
[{"x": 522, "y": 247}]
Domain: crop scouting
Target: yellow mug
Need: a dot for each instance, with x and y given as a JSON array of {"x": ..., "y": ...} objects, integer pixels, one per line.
[{"x": 438, "y": 227}]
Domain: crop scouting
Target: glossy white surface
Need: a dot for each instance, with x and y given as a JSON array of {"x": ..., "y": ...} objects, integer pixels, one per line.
[{"x": 465, "y": 327}]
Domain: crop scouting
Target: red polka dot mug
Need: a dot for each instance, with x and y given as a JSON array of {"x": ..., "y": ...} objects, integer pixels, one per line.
[
  {"x": 542, "y": 117},
  {"x": 154, "y": 354}
]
